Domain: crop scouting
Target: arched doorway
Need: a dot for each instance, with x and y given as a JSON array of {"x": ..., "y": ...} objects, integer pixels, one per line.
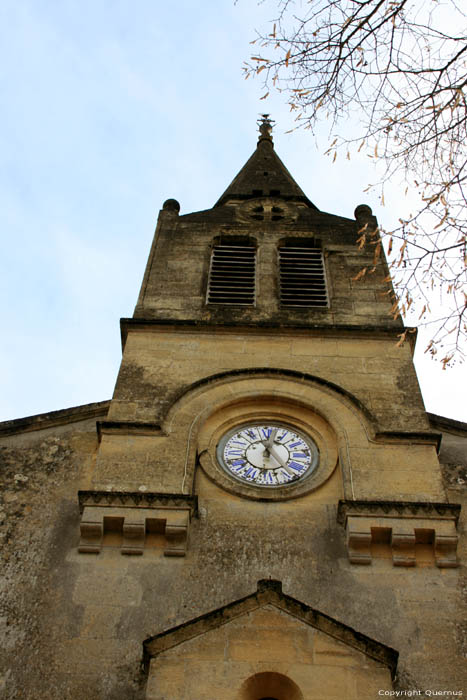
[{"x": 270, "y": 686}]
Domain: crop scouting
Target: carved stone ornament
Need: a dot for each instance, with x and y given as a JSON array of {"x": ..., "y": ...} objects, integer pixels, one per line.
[
  {"x": 134, "y": 514},
  {"x": 267, "y": 209},
  {"x": 402, "y": 525}
]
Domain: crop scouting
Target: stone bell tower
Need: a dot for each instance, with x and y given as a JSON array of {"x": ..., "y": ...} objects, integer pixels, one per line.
[
  {"x": 266, "y": 427},
  {"x": 264, "y": 517}
]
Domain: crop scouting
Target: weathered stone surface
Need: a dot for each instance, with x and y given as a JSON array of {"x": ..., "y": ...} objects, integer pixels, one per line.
[{"x": 103, "y": 598}]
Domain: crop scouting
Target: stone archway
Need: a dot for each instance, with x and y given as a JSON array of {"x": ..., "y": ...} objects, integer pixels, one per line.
[{"x": 269, "y": 686}]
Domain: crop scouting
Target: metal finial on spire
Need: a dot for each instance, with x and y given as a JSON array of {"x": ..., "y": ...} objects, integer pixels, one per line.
[{"x": 265, "y": 127}]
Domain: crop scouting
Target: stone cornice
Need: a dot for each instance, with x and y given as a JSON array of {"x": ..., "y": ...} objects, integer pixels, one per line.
[
  {"x": 42, "y": 421},
  {"x": 412, "y": 437},
  {"x": 113, "y": 427},
  {"x": 448, "y": 425},
  {"x": 224, "y": 326},
  {"x": 137, "y": 499},
  {"x": 398, "y": 509}
]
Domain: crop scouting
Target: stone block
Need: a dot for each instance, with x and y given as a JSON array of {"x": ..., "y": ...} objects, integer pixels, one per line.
[
  {"x": 329, "y": 652},
  {"x": 104, "y": 586},
  {"x": 250, "y": 644},
  {"x": 99, "y": 622},
  {"x": 318, "y": 682}
]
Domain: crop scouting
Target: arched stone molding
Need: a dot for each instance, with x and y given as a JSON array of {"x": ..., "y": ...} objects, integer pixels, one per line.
[
  {"x": 331, "y": 416},
  {"x": 275, "y": 372},
  {"x": 267, "y": 407}
]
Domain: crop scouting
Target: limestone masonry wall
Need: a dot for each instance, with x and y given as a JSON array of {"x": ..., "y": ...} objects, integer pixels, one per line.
[{"x": 73, "y": 624}]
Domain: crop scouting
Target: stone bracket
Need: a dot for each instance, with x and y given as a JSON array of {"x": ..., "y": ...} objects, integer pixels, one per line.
[
  {"x": 134, "y": 532},
  {"x": 176, "y": 530},
  {"x": 134, "y": 523},
  {"x": 403, "y": 543},
  {"x": 92, "y": 532},
  {"x": 359, "y": 543},
  {"x": 402, "y": 533},
  {"x": 445, "y": 544}
]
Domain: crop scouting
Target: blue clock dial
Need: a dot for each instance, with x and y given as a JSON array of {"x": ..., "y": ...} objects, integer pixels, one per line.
[{"x": 270, "y": 455}]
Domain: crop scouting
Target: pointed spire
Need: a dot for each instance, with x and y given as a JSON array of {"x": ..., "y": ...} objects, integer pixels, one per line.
[{"x": 264, "y": 174}]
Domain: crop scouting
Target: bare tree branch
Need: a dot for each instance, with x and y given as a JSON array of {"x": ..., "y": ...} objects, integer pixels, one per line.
[{"x": 401, "y": 65}]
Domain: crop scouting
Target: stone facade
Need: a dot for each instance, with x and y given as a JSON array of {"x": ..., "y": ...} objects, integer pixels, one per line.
[{"x": 132, "y": 559}]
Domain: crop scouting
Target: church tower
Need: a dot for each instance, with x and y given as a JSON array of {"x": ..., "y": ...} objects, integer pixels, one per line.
[{"x": 264, "y": 517}]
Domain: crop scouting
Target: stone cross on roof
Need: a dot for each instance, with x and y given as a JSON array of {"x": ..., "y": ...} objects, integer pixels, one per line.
[{"x": 265, "y": 126}]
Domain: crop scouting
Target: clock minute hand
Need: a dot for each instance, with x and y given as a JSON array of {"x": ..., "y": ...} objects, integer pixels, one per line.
[
  {"x": 281, "y": 461},
  {"x": 269, "y": 442}
]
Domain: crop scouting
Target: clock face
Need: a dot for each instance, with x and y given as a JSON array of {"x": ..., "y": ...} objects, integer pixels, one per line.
[{"x": 267, "y": 454}]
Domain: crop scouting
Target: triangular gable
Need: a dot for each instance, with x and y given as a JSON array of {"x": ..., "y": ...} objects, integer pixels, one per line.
[{"x": 269, "y": 592}]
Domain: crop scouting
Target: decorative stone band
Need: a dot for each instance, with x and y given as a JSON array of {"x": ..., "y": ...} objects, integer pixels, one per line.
[
  {"x": 138, "y": 499},
  {"x": 135, "y": 514},
  {"x": 402, "y": 525}
]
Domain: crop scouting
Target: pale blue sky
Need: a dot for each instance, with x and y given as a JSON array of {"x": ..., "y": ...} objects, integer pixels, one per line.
[{"x": 108, "y": 109}]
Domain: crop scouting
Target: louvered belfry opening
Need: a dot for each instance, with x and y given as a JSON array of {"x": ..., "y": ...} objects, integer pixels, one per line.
[
  {"x": 302, "y": 276},
  {"x": 232, "y": 275}
]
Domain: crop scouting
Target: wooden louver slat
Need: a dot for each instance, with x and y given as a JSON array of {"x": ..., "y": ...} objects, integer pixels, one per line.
[
  {"x": 302, "y": 278},
  {"x": 232, "y": 275}
]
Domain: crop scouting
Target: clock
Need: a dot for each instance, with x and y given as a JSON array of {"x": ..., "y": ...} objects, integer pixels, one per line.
[{"x": 267, "y": 454}]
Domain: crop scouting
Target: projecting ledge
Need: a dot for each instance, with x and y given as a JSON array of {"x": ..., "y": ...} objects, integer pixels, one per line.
[
  {"x": 402, "y": 525},
  {"x": 133, "y": 515}
]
